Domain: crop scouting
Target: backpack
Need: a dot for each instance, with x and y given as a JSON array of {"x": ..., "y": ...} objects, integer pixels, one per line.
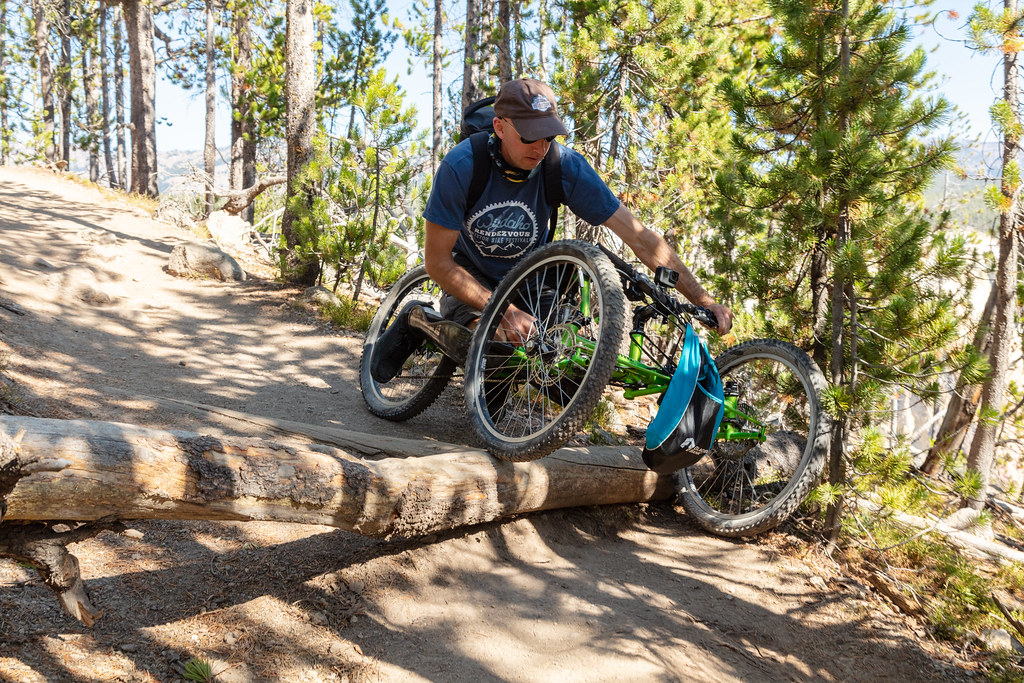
[
  {"x": 477, "y": 125},
  {"x": 691, "y": 410}
]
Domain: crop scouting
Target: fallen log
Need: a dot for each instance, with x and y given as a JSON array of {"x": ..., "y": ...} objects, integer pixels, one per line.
[
  {"x": 75, "y": 470},
  {"x": 90, "y": 475}
]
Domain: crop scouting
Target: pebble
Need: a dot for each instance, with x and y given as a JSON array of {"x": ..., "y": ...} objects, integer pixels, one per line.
[
  {"x": 357, "y": 586},
  {"x": 336, "y": 648},
  {"x": 819, "y": 583},
  {"x": 230, "y": 638}
]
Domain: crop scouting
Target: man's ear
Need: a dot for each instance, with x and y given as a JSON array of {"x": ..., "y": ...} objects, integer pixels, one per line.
[{"x": 499, "y": 127}]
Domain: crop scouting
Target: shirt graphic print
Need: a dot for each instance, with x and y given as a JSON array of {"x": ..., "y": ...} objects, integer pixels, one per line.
[{"x": 503, "y": 230}]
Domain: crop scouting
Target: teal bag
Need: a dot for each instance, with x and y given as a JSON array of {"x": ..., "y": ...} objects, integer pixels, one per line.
[{"x": 690, "y": 412}]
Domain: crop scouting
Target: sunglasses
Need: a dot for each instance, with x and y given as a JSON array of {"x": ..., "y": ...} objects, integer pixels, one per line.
[{"x": 523, "y": 140}]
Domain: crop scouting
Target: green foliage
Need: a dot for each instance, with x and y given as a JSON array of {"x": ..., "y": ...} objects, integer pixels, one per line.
[
  {"x": 638, "y": 80},
  {"x": 357, "y": 183},
  {"x": 198, "y": 670},
  {"x": 349, "y": 314},
  {"x": 967, "y": 484},
  {"x": 825, "y": 494}
]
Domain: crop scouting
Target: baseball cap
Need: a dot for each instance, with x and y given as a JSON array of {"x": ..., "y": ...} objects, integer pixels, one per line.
[{"x": 530, "y": 105}]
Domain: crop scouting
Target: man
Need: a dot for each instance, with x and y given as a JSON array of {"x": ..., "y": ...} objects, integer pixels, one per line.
[{"x": 470, "y": 248}]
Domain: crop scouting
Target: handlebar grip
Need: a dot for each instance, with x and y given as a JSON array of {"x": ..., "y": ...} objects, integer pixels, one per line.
[{"x": 706, "y": 317}]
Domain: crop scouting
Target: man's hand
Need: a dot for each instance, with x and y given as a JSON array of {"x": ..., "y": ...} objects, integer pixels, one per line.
[
  {"x": 517, "y": 326},
  {"x": 724, "y": 317}
]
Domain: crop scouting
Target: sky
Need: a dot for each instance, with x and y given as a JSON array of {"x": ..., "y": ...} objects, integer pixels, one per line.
[{"x": 969, "y": 80}]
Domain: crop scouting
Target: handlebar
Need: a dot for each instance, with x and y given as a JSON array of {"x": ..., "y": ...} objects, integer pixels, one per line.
[{"x": 639, "y": 284}]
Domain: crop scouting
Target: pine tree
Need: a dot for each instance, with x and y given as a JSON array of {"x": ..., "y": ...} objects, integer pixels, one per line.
[
  {"x": 833, "y": 243},
  {"x": 639, "y": 82},
  {"x": 1002, "y": 32}
]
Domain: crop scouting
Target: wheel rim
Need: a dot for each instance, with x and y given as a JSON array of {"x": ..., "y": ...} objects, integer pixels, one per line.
[
  {"x": 747, "y": 476},
  {"x": 425, "y": 362},
  {"x": 528, "y": 387}
]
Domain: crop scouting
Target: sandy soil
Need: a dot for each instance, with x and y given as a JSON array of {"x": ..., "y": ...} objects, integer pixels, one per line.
[{"x": 93, "y": 327}]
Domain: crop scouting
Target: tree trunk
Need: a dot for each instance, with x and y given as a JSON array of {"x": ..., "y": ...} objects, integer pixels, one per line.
[
  {"x": 300, "y": 81},
  {"x": 485, "y": 48},
  {"x": 65, "y": 80},
  {"x": 5, "y": 131},
  {"x": 617, "y": 114},
  {"x": 517, "y": 40},
  {"x": 963, "y": 403},
  {"x": 438, "y": 104},
  {"x": 373, "y": 223},
  {"x": 121, "y": 123},
  {"x": 42, "y": 35},
  {"x": 68, "y": 471},
  {"x": 982, "y": 453},
  {"x": 91, "y": 108},
  {"x": 504, "y": 42},
  {"x": 470, "y": 67},
  {"x": 138, "y": 19},
  {"x": 108, "y": 156},
  {"x": 241, "y": 59},
  {"x": 210, "y": 143},
  {"x": 842, "y": 288},
  {"x": 542, "y": 33}
]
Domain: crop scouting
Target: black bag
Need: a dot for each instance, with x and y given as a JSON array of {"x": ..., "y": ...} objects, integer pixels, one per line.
[
  {"x": 477, "y": 125},
  {"x": 690, "y": 412}
]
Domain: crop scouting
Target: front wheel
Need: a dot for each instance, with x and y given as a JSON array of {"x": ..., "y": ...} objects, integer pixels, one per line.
[
  {"x": 528, "y": 398},
  {"x": 424, "y": 374},
  {"x": 772, "y": 444}
]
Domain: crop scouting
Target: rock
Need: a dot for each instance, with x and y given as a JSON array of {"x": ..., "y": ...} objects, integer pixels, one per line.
[
  {"x": 337, "y": 648},
  {"x": 133, "y": 533},
  {"x": 38, "y": 262},
  {"x": 172, "y": 214},
  {"x": 201, "y": 259},
  {"x": 357, "y": 586},
  {"x": 228, "y": 230},
  {"x": 996, "y": 639},
  {"x": 321, "y": 296}
]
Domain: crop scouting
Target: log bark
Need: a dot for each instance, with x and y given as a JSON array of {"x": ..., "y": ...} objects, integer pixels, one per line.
[{"x": 86, "y": 471}]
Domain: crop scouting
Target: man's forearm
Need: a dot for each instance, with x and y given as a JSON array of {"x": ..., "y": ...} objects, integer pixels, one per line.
[
  {"x": 457, "y": 281},
  {"x": 654, "y": 251}
]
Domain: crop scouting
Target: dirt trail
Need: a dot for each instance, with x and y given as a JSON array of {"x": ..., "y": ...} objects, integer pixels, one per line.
[{"x": 630, "y": 593}]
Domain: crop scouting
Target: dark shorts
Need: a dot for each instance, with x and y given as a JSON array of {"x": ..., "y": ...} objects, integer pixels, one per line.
[{"x": 452, "y": 308}]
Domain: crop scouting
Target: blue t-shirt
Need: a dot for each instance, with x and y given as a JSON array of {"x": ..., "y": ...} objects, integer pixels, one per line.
[{"x": 510, "y": 219}]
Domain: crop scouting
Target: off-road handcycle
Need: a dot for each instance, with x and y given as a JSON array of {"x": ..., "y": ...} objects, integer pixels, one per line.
[{"x": 525, "y": 398}]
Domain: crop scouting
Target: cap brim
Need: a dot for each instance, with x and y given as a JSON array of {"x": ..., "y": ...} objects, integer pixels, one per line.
[{"x": 540, "y": 127}]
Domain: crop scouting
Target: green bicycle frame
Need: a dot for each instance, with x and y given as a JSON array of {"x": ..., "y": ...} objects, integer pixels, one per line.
[{"x": 632, "y": 372}]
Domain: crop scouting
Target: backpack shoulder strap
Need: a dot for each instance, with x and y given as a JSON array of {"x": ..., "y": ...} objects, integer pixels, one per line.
[
  {"x": 481, "y": 168},
  {"x": 553, "y": 190}
]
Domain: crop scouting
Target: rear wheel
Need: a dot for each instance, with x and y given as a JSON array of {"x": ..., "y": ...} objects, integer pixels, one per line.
[
  {"x": 525, "y": 400},
  {"x": 424, "y": 374},
  {"x": 771, "y": 447}
]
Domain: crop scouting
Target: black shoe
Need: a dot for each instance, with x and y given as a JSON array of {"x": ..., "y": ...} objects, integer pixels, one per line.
[
  {"x": 452, "y": 338},
  {"x": 393, "y": 347}
]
